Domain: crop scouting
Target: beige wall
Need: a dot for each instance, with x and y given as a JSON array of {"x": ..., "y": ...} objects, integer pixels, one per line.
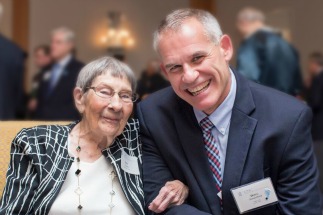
[
  {"x": 88, "y": 19},
  {"x": 304, "y": 20},
  {"x": 6, "y": 19}
]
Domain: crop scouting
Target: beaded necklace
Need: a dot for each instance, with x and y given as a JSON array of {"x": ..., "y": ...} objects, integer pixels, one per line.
[{"x": 78, "y": 191}]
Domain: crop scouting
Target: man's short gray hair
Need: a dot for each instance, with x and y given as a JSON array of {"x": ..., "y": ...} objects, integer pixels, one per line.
[
  {"x": 174, "y": 21},
  {"x": 250, "y": 14},
  {"x": 69, "y": 34},
  {"x": 105, "y": 65}
]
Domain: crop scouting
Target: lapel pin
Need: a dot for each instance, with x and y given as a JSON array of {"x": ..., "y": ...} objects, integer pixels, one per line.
[{"x": 267, "y": 193}]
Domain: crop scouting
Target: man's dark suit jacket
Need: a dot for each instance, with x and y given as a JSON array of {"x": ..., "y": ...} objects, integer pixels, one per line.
[
  {"x": 59, "y": 104},
  {"x": 11, "y": 79},
  {"x": 268, "y": 59},
  {"x": 269, "y": 136},
  {"x": 315, "y": 100}
]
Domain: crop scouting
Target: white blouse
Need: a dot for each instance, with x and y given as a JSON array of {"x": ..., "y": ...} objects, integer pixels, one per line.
[{"x": 96, "y": 184}]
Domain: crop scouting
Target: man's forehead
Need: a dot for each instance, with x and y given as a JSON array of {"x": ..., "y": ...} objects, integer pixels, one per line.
[{"x": 177, "y": 57}]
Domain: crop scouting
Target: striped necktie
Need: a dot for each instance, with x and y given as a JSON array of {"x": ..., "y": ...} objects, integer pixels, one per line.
[{"x": 212, "y": 151}]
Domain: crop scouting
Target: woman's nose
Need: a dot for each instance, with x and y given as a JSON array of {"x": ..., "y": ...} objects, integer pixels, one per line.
[{"x": 115, "y": 103}]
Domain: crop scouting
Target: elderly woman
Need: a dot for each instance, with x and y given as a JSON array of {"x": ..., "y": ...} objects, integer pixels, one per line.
[{"x": 90, "y": 167}]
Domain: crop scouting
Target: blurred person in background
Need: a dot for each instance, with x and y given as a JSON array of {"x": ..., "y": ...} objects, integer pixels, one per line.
[
  {"x": 315, "y": 94},
  {"x": 151, "y": 80},
  {"x": 11, "y": 78},
  {"x": 42, "y": 61},
  {"x": 264, "y": 56},
  {"x": 55, "y": 100}
]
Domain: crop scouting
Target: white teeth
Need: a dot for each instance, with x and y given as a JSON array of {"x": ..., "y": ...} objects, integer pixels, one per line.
[{"x": 197, "y": 90}]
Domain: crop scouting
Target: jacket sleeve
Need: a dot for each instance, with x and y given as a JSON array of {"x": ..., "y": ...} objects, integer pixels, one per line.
[
  {"x": 21, "y": 181},
  {"x": 297, "y": 187},
  {"x": 156, "y": 172}
]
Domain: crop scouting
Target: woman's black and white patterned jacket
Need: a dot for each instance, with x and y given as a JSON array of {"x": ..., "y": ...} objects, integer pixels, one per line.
[{"x": 40, "y": 162}]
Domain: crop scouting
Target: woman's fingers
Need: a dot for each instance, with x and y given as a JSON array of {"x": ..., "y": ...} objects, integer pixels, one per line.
[
  {"x": 163, "y": 200},
  {"x": 173, "y": 193},
  {"x": 180, "y": 189}
]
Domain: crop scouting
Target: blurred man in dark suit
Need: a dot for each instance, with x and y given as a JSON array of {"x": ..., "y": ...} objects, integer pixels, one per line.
[
  {"x": 315, "y": 94},
  {"x": 11, "y": 78},
  {"x": 264, "y": 56},
  {"x": 55, "y": 100}
]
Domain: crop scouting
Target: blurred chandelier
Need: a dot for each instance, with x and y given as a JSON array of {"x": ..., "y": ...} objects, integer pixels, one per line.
[{"x": 117, "y": 36}]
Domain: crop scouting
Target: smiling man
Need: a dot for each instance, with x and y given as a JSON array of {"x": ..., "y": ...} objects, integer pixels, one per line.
[{"x": 216, "y": 131}]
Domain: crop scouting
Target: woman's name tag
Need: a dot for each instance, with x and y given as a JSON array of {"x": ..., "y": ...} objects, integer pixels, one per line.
[
  {"x": 129, "y": 163},
  {"x": 254, "y": 195}
]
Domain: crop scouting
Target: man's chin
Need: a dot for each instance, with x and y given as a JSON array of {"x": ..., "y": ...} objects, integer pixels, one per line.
[{"x": 205, "y": 106}]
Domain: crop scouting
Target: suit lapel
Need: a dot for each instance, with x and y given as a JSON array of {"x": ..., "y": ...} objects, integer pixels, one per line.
[
  {"x": 129, "y": 182},
  {"x": 190, "y": 136},
  {"x": 241, "y": 131}
]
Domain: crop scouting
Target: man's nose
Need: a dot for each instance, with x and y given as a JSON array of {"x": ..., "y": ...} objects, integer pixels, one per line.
[{"x": 189, "y": 74}]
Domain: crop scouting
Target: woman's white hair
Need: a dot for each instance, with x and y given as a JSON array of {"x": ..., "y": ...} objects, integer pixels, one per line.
[
  {"x": 174, "y": 21},
  {"x": 105, "y": 65}
]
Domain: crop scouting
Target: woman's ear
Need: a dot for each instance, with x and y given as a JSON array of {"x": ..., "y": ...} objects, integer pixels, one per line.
[
  {"x": 79, "y": 99},
  {"x": 226, "y": 47}
]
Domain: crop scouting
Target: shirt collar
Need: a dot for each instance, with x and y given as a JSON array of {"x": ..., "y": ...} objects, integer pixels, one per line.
[
  {"x": 221, "y": 117},
  {"x": 63, "y": 62}
]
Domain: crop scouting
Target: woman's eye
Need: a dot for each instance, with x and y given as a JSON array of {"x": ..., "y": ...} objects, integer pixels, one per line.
[
  {"x": 125, "y": 96},
  {"x": 105, "y": 92}
]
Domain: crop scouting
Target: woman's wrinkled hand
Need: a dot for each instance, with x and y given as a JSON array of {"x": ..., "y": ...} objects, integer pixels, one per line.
[{"x": 173, "y": 193}]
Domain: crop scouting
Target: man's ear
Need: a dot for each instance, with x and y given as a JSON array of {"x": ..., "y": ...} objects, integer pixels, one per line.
[
  {"x": 79, "y": 99},
  {"x": 226, "y": 47}
]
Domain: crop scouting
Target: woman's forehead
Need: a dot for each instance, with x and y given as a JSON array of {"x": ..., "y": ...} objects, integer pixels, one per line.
[{"x": 116, "y": 82}]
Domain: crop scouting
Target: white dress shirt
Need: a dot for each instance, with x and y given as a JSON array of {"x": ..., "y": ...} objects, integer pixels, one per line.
[{"x": 221, "y": 118}]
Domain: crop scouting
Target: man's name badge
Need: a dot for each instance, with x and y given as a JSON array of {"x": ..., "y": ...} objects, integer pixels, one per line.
[
  {"x": 129, "y": 163},
  {"x": 254, "y": 195}
]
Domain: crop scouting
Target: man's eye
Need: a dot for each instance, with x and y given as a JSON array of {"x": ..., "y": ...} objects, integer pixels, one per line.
[
  {"x": 175, "y": 68},
  {"x": 197, "y": 59}
]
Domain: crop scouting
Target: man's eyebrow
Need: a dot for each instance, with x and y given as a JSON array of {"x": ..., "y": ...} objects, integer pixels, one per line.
[
  {"x": 199, "y": 53},
  {"x": 196, "y": 54}
]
